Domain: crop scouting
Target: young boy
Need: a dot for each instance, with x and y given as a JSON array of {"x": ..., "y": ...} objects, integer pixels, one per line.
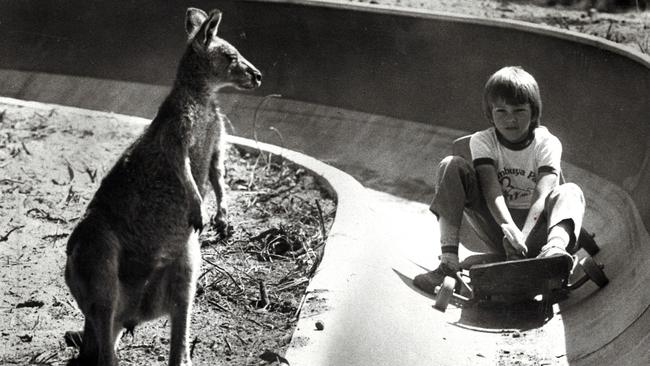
[{"x": 510, "y": 192}]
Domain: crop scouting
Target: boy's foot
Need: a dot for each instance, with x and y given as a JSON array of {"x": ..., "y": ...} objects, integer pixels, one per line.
[
  {"x": 427, "y": 282},
  {"x": 553, "y": 251}
]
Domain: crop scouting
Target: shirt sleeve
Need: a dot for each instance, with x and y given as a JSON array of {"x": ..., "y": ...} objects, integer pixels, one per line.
[
  {"x": 549, "y": 156},
  {"x": 481, "y": 146}
]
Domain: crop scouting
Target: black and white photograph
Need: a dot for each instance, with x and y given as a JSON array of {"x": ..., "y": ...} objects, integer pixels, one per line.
[{"x": 325, "y": 182}]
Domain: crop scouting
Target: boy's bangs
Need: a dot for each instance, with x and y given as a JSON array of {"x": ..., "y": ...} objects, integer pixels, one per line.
[{"x": 510, "y": 94}]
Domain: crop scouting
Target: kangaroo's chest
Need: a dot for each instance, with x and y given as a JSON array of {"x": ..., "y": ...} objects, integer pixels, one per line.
[{"x": 206, "y": 145}]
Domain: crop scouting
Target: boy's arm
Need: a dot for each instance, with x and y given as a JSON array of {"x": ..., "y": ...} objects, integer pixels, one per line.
[
  {"x": 487, "y": 177},
  {"x": 545, "y": 184}
]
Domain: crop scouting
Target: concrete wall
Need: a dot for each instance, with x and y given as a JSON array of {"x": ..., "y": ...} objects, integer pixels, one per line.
[{"x": 419, "y": 67}]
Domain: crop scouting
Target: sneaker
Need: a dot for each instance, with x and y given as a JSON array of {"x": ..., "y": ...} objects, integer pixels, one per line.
[
  {"x": 427, "y": 282},
  {"x": 554, "y": 250}
]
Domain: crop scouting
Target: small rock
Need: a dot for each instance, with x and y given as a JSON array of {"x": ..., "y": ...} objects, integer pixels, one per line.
[
  {"x": 320, "y": 325},
  {"x": 30, "y": 304},
  {"x": 26, "y": 338}
]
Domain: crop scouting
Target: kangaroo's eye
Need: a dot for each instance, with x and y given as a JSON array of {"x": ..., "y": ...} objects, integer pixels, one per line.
[{"x": 232, "y": 58}]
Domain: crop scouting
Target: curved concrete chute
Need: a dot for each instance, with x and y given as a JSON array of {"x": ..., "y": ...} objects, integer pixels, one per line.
[
  {"x": 381, "y": 93},
  {"x": 592, "y": 324}
]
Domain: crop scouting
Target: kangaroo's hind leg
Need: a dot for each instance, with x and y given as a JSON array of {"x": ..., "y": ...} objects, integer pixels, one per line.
[
  {"x": 182, "y": 286},
  {"x": 86, "y": 342},
  {"x": 92, "y": 276},
  {"x": 101, "y": 330},
  {"x": 100, "y": 335},
  {"x": 106, "y": 336}
]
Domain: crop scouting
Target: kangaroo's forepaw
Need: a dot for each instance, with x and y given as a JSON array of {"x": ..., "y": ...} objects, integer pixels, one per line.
[
  {"x": 221, "y": 225},
  {"x": 74, "y": 338},
  {"x": 196, "y": 219},
  {"x": 196, "y": 223}
]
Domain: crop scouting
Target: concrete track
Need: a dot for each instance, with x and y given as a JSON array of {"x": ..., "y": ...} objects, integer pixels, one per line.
[{"x": 352, "y": 102}]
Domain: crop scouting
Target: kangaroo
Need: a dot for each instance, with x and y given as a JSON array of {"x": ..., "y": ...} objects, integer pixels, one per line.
[{"x": 134, "y": 256}]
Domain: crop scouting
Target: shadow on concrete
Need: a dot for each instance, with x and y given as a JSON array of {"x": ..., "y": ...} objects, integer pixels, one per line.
[
  {"x": 408, "y": 281},
  {"x": 493, "y": 316},
  {"x": 522, "y": 316}
]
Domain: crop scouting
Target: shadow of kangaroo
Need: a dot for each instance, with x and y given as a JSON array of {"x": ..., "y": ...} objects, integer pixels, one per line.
[{"x": 134, "y": 256}]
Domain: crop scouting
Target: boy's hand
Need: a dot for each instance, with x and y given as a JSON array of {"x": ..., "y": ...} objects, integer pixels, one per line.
[{"x": 514, "y": 242}]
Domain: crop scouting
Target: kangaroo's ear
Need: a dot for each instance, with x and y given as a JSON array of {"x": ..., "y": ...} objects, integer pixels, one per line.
[
  {"x": 212, "y": 26},
  {"x": 194, "y": 18}
]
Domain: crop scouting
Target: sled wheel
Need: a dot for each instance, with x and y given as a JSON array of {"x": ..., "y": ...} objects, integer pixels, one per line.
[
  {"x": 594, "y": 271},
  {"x": 445, "y": 293},
  {"x": 588, "y": 243}
]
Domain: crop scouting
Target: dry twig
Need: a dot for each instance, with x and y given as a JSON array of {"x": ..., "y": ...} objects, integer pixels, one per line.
[
  {"x": 225, "y": 272},
  {"x": 322, "y": 220},
  {"x": 5, "y": 237}
]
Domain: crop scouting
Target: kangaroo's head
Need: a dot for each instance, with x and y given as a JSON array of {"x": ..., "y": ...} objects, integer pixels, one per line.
[{"x": 215, "y": 58}]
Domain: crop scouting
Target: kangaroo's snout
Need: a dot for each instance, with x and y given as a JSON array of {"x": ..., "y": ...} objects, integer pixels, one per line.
[{"x": 247, "y": 75}]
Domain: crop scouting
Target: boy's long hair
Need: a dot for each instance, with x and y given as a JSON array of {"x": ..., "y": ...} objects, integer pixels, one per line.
[{"x": 513, "y": 85}]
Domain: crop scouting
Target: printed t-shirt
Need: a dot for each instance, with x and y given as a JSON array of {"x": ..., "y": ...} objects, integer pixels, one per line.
[{"x": 518, "y": 165}]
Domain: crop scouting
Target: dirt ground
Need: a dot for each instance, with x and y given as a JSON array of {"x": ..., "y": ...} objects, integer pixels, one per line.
[
  {"x": 629, "y": 26},
  {"x": 51, "y": 162}
]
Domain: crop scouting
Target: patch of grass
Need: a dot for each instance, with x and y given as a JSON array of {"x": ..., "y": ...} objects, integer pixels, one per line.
[{"x": 257, "y": 276}]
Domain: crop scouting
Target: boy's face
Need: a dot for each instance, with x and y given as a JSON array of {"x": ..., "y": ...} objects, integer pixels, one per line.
[{"x": 511, "y": 120}]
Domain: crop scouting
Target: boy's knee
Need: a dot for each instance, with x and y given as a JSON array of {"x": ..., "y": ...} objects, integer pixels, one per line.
[
  {"x": 569, "y": 196},
  {"x": 452, "y": 168},
  {"x": 453, "y": 162},
  {"x": 570, "y": 189},
  {"x": 455, "y": 176}
]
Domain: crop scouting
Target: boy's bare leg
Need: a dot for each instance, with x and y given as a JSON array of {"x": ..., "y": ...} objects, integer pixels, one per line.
[
  {"x": 565, "y": 207},
  {"x": 456, "y": 185},
  {"x": 449, "y": 263},
  {"x": 449, "y": 239},
  {"x": 559, "y": 238},
  {"x": 559, "y": 235}
]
